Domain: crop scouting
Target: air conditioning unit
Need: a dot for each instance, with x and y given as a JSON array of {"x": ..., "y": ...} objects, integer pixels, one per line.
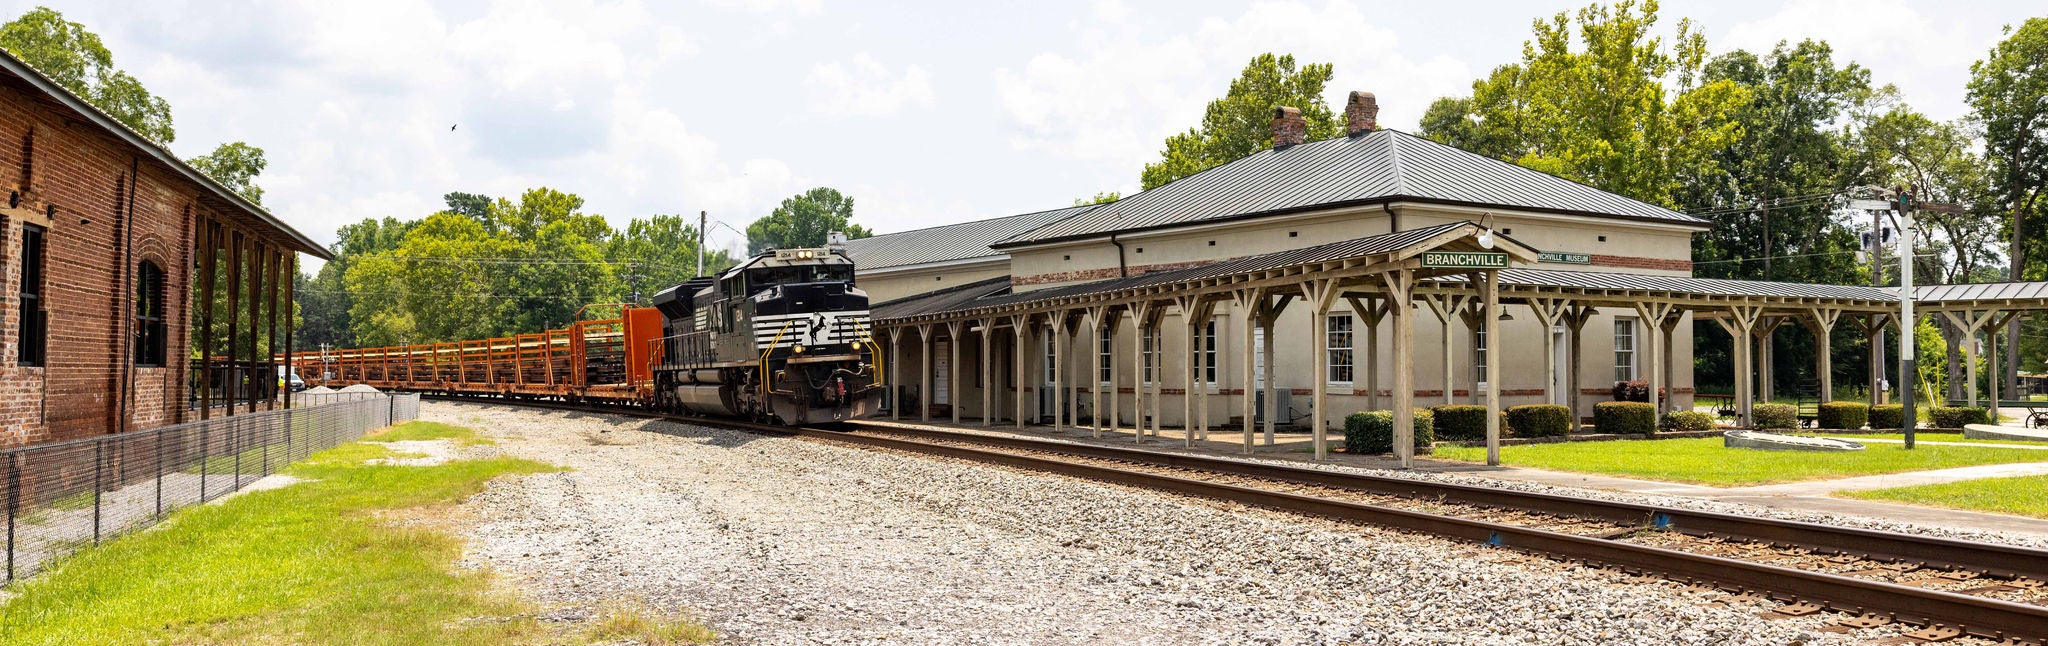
[{"x": 1285, "y": 398}]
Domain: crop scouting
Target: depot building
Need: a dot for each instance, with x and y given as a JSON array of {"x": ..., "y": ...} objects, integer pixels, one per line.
[{"x": 1294, "y": 286}]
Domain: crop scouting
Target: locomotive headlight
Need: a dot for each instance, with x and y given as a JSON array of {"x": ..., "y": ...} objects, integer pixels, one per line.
[{"x": 799, "y": 349}]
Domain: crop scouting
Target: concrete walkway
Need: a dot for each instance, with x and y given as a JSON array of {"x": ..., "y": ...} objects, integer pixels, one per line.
[
  {"x": 1808, "y": 496},
  {"x": 1919, "y": 442}
]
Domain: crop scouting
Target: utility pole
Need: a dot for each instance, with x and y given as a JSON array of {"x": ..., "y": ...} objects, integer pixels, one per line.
[
  {"x": 1877, "y": 280},
  {"x": 1909, "y": 416},
  {"x": 703, "y": 219}
]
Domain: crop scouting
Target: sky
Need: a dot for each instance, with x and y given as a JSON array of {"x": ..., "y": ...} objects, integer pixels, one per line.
[{"x": 926, "y": 113}]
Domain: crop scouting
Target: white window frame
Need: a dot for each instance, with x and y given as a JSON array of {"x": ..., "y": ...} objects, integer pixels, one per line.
[
  {"x": 1052, "y": 353},
  {"x": 1149, "y": 357},
  {"x": 1625, "y": 369},
  {"x": 1479, "y": 358},
  {"x": 1348, "y": 352},
  {"x": 1105, "y": 357},
  {"x": 1206, "y": 344}
]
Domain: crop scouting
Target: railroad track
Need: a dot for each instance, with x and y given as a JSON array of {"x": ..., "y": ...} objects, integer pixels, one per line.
[{"x": 1945, "y": 588}]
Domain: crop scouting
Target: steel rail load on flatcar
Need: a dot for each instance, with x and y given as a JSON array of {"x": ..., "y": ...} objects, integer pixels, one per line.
[{"x": 783, "y": 336}]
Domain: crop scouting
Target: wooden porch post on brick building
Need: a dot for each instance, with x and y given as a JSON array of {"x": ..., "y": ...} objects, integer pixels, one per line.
[
  {"x": 291, "y": 266},
  {"x": 1320, "y": 294},
  {"x": 1248, "y": 302},
  {"x": 953, "y": 329},
  {"x": 1370, "y": 311},
  {"x": 1141, "y": 313},
  {"x": 895, "y": 372},
  {"x": 988, "y": 382},
  {"x": 1575, "y": 318},
  {"x": 924, "y": 373},
  {"x": 1400, "y": 288},
  {"x": 1019, "y": 326}
]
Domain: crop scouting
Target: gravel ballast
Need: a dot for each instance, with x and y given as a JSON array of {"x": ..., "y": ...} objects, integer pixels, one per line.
[{"x": 782, "y": 541}]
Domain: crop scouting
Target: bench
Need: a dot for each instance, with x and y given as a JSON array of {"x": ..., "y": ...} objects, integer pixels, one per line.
[{"x": 2037, "y": 411}]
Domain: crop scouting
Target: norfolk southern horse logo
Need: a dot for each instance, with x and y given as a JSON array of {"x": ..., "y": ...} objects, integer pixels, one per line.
[{"x": 819, "y": 333}]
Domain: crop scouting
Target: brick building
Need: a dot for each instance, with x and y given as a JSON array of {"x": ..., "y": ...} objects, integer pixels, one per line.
[{"x": 101, "y": 239}]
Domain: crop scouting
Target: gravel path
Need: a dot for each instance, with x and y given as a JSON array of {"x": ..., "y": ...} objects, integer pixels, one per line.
[{"x": 782, "y": 541}]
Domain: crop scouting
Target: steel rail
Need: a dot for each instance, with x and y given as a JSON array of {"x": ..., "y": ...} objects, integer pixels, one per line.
[
  {"x": 1976, "y": 616},
  {"x": 1995, "y": 560}
]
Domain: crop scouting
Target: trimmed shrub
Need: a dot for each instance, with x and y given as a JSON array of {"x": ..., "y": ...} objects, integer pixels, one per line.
[
  {"x": 1889, "y": 416},
  {"x": 1957, "y": 416},
  {"x": 1539, "y": 420},
  {"x": 1777, "y": 416},
  {"x": 1844, "y": 415},
  {"x": 1372, "y": 432},
  {"x": 1690, "y": 420},
  {"x": 1459, "y": 422},
  {"x": 1625, "y": 417}
]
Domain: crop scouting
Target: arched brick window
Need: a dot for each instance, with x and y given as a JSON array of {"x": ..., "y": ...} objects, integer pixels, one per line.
[{"x": 150, "y": 344}]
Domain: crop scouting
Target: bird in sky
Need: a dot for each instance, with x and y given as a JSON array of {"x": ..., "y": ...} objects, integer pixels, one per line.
[{"x": 452, "y": 128}]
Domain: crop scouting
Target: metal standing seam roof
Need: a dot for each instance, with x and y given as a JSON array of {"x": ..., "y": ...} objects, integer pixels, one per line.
[
  {"x": 1379, "y": 166},
  {"x": 939, "y": 301},
  {"x": 949, "y": 242},
  {"x": 1368, "y": 246},
  {"x": 1680, "y": 284},
  {"x": 1982, "y": 292}
]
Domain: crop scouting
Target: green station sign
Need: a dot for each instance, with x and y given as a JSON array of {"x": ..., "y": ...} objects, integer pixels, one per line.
[
  {"x": 1564, "y": 257},
  {"x": 1464, "y": 260}
]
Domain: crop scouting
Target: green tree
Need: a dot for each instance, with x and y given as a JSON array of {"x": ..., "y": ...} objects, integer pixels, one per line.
[
  {"x": 1104, "y": 197},
  {"x": 659, "y": 252},
  {"x": 1624, "y": 112},
  {"x": 803, "y": 220},
  {"x": 324, "y": 299},
  {"x": 2008, "y": 93},
  {"x": 1905, "y": 148},
  {"x": 1758, "y": 188},
  {"x": 76, "y": 59},
  {"x": 235, "y": 166},
  {"x": 1240, "y": 123}
]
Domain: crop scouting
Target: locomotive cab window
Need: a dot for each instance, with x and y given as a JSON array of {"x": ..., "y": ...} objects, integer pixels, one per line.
[
  {"x": 149, "y": 315},
  {"x": 832, "y": 274}
]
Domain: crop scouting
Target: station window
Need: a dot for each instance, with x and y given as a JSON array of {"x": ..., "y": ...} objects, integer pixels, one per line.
[
  {"x": 1150, "y": 352},
  {"x": 1624, "y": 350},
  {"x": 1104, "y": 355},
  {"x": 1206, "y": 347},
  {"x": 150, "y": 347},
  {"x": 1340, "y": 346},
  {"x": 1479, "y": 355},
  {"x": 34, "y": 321}
]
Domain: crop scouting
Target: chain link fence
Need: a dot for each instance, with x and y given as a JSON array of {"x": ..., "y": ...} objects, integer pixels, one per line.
[{"x": 65, "y": 496}]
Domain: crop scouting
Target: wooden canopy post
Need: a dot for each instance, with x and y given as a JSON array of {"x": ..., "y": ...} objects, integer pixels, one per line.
[
  {"x": 988, "y": 381},
  {"x": 1547, "y": 312},
  {"x": 1490, "y": 291},
  {"x": 1020, "y": 327},
  {"x": 1072, "y": 329},
  {"x": 1141, "y": 315},
  {"x": 1247, "y": 302},
  {"x": 1269, "y": 314},
  {"x": 1400, "y": 288},
  {"x": 1741, "y": 326},
  {"x": 1872, "y": 325},
  {"x": 235, "y": 244},
  {"x": 1652, "y": 315},
  {"x": 1445, "y": 307},
  {"x": 1106, "y": 320},
  {"x": 1321, "y": 293},
  {"x": 1575, "y": 318},
  {"x": 1186, "y": 305},
  {"x": 1970, "y": 323},
  {"x": 895, "y": 373},
  {"x": 1767, "y": 369},
  {"x": 1092, "y": 370},
  {"x": 1058, "y": 357},
  {"x": 1469, "y": 314},
  {"x": 291, "y": 267},
  {"x": 924, "y": 372},
  {"x": 1821, "y": 321},
  {"x": 953, "y": 329},
  {"x": 1995, "y": 380},
  {"x": 1370, "y": 311}
]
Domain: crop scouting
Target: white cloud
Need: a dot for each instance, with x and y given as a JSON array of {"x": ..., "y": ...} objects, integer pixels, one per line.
[
  {"x": 865, "y": 87},
  {"x": 1124, "y": 90},
  {"x": 1927, "y": 56}
]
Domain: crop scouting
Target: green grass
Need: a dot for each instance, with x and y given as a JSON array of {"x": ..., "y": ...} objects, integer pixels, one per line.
[
  {"x": 416, "y": 431},
  {"x": 355, "y": 555},
  {"x": 1705, "y": 461},
  {"x": 2023, "y": 495}
]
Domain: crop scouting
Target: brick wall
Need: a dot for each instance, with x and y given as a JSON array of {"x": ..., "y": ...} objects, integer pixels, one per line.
[{"x": 52, "y": 157}]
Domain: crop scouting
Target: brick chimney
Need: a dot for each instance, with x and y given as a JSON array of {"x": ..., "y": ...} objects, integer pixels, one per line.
[
  {"x": 1288, "y": 127},
  {"x": 1361, "y": 114}
]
